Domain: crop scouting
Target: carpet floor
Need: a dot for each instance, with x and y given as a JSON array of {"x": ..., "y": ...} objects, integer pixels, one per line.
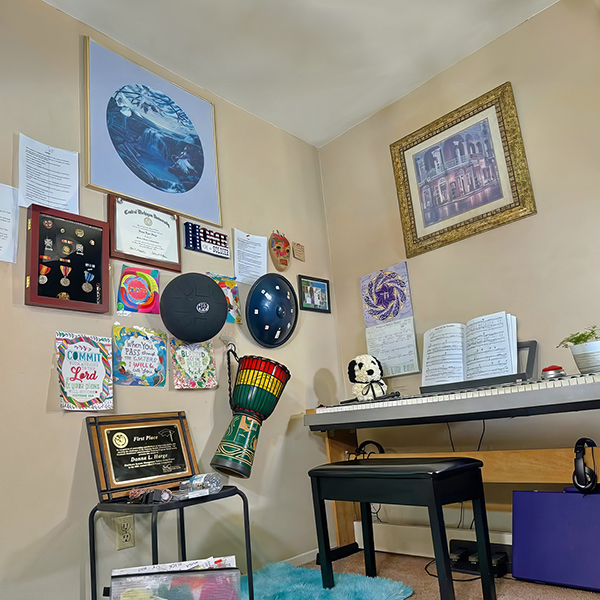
[{"x": 411, "y": 571}]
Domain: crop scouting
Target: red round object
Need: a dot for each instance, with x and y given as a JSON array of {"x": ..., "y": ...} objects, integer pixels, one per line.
[{"x": 552, "y": 368}]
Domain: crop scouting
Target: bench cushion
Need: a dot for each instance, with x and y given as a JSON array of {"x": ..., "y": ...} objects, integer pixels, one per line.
[{"x": 397, "y": 468}]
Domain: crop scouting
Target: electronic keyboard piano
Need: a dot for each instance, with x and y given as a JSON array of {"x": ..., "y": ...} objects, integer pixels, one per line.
[{"x": 566, "y": 394}]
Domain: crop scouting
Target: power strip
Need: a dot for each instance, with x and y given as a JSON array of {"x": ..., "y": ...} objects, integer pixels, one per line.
[{"x": 464, "y": 558}]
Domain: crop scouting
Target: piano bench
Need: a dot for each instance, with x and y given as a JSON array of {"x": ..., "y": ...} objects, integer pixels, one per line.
[{"x": 430, "y": 482}]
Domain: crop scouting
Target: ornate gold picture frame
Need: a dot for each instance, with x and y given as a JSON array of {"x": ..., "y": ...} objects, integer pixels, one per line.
[{"x": 463, "y": 174}]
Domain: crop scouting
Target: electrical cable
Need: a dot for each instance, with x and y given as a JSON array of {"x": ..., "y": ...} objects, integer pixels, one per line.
[
  {"x": 462, "y": 510},
  {"x": 482, "y": 434},
  {"x": 450, "y": 434},
  {"x": 375, "y": 513}
]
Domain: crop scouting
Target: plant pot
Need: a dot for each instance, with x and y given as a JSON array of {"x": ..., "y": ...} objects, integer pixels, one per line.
[{"x": 587, "y": 357}]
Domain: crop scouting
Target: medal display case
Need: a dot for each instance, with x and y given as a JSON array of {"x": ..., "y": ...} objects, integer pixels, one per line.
[{"x": 67, "y": 261}]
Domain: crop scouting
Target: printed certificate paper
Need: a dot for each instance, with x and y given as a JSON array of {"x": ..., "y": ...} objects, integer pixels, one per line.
[
  {"x": 145, "y": 232},
  {"x": 48, "y": 176},
  {"x": 9, "y": 223},
  {"x": 84, "y": 371}
]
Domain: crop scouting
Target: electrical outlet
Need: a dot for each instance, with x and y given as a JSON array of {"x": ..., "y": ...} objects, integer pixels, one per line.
[{"x": 125, "y": 532}]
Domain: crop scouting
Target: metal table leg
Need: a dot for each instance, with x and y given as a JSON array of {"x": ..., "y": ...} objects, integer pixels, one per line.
[
  {"x": 182, "y": 535},
  {"x": 248, "y": 544},
  {"x": 92, "y": 540},
  {"x": 154, "y": 535}
]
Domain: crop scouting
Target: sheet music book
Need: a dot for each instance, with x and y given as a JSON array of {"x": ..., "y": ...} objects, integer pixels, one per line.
[{"x": 483, "y": 347}]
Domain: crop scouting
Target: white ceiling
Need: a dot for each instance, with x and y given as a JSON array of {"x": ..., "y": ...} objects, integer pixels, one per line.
[{"x": 314, "y": 68}]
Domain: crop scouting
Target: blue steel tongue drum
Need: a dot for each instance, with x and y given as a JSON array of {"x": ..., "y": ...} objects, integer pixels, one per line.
[{"x": 578, "y": 392}]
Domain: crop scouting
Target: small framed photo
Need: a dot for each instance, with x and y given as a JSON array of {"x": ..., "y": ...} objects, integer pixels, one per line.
[
  {"x": 144, "y": 234},
  {"x": 67, "y": 261},
  {"x": 314, "y": 294}
]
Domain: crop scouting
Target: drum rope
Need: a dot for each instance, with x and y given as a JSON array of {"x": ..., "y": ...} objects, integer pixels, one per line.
[{"x": 230, "y": 351}]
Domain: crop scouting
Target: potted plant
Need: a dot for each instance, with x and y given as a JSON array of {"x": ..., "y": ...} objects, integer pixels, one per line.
[{"x": 585, "y": 347}]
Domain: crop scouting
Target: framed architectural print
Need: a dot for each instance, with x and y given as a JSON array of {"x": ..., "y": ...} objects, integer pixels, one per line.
[
  {"x": 463, "y": 174},
  {"x": 67, "y": 261},
  {"x": 314, "y": 294},
  {"x": 144, "y": 234},
  {"x": 149, "y": 139}
]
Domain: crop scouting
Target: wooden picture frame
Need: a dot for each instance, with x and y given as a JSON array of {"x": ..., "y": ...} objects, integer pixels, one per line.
[
  {"x": 150, "y": 232},
  {"x": 463, "y": 174},
  {"x": 313, "y": 294},
  {"x": 148, "y": 138},
  {"x": 134, "y": 451},
  {"x": 67, "y": 261}
]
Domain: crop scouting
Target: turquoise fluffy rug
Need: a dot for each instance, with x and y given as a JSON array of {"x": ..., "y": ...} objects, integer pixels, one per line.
[{"x": 282, "y": 581}]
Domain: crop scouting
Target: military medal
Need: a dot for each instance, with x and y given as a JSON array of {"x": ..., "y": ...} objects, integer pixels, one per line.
[
  {"x": 44, "y": 270},
  {"x": 87, "y": 286},
  {"x": 47, "y": 223},
  {"x": 48, "y": 245},
  {"x": 63, "y": 296},
  {"x": 67, "y": 248},
  {"x": 79, "y": 249},
  {"x": 79, "y": 233},
  {"x": 65, "y": 271}
]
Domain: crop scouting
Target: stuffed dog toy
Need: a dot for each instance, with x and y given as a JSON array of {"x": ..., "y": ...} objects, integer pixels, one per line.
[{"x": 365, "y": 372}]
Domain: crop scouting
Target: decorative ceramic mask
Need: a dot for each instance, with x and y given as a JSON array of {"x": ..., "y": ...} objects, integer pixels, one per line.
[{"x": 279, "y": 249}]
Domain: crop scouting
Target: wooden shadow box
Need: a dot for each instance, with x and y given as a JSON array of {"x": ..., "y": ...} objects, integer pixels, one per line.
[{"x": 67, "y": 261}]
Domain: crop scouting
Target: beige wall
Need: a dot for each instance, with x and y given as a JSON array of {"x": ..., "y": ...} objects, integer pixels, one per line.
[
  {"x": 268, "y": 180},
  {"x": 543, "y": 269}
]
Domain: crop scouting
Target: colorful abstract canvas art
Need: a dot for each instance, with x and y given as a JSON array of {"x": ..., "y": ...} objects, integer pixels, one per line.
[{"x": 138, "y": 290}]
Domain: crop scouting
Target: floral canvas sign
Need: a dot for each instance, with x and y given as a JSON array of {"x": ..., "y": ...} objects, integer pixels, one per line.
[
  {"x": 140, "y": 356},
  {"x": 193, "y": 365}
]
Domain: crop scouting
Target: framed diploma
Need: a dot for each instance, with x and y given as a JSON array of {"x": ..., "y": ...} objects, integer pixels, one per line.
[
  {"x": 67, "y": 261},
  {"x": 143, "y": 233},
  {"x": 145, "y": 450}
]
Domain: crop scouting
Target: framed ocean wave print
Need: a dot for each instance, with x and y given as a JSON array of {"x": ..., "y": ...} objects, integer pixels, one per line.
[
  {"x": 463, "y": 174},
  {"x": 149, "y": 139}
]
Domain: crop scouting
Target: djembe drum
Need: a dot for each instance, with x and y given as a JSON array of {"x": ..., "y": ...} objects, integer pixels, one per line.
[{"x": 258, "y": 387}]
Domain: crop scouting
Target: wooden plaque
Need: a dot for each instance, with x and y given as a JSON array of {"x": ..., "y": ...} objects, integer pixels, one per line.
[{"x": 137, "y": 451}]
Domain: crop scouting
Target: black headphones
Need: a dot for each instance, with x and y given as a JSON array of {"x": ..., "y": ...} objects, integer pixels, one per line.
[
  {"x": 584, "y": 478},
  {"x": 362, "y": 453}
]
